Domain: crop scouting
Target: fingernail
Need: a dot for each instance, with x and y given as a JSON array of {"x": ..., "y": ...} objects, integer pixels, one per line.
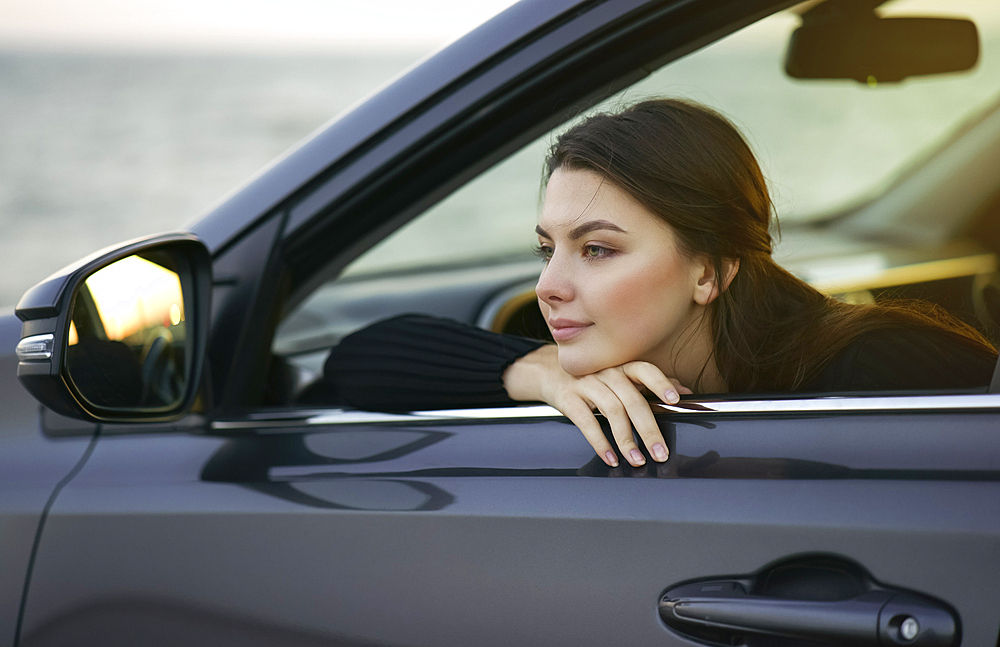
[
  {"x": 659, "y": 452},
  {"x": 611, "y": 459},
  {"x": 671, "y": 396},
  {"x": 636, "y": 457}
]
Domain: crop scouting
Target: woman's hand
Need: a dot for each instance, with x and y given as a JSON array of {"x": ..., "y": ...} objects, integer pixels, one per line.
[{"x": 616, "y": 392}]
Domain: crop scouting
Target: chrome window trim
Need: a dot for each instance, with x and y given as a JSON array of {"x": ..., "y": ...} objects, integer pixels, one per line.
[
  {"x": 988, "y": 402},
  {"x": 840, "y": 404},
  {"x": 824, "y": 404}
]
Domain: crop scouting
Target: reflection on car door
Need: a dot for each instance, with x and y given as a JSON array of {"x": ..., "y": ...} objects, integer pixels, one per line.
[{"x": 349, "y": 528}]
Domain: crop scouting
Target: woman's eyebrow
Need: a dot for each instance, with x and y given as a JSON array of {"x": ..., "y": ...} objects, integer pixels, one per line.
[{"x": 585, "y": 228}]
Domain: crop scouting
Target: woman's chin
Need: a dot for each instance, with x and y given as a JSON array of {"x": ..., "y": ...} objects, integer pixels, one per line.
[{"x": 576, "y": 365}]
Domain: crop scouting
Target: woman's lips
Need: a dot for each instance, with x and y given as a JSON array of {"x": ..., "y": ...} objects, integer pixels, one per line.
[{"x": 566, "y": 329}]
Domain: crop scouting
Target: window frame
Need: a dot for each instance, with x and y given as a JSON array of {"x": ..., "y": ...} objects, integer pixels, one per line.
[{"x": 324, "y": 213}]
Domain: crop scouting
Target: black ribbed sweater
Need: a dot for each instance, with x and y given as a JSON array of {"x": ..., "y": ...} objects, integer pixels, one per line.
[{"x": 414, "y": 362}]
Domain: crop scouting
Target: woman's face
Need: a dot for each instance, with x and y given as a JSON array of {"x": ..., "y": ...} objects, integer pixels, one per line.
[{"x": 615, "y": 286}]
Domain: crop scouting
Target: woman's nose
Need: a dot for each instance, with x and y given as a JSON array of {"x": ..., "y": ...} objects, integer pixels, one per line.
[{"x": 554, "y": 285}]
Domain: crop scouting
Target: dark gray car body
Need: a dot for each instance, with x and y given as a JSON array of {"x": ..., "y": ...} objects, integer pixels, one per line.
[{"x": 249, "y": 524}]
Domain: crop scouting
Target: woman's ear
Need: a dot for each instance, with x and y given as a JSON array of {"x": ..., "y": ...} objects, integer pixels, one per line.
[{"x": 707, "y": 288}]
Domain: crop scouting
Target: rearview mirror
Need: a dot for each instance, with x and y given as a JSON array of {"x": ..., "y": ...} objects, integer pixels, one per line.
[
  {"x": 872, "y": 50},
  {"x": 120, "y": 336}
]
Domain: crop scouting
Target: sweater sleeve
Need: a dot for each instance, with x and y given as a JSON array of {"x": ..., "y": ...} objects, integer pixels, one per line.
[
  {"x": 415, "y": 362},
  {"x": 904, "y": 359}
]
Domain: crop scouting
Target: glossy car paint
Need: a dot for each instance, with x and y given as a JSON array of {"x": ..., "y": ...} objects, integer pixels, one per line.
[
  {"x": 494, "y": 534},
  {"x": 297, "y": 527},
  {"x": 31, "y": 465}
]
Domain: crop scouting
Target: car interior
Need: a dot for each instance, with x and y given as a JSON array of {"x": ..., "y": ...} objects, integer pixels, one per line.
[{"x": 883, "y": 187}]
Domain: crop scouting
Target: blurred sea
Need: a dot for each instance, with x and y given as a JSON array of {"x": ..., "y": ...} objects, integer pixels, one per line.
[{"x": 99, "y": 148}]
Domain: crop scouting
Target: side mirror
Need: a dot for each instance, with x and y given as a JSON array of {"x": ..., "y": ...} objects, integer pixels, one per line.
[
  {"x": 869, "y": 49},
  {"x": 121, "y": 335}
]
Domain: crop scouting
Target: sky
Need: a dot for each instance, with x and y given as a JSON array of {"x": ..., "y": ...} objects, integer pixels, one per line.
[{"x": 239, "y": 25}]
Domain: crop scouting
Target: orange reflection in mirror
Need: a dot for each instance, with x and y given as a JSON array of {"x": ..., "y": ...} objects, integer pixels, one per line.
[{"x": 133, "y": 295}]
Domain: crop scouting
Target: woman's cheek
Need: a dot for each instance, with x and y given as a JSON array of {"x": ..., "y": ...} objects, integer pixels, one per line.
[
  {"x": 626, "y": 295},
  {"x": 644, "y": 305}
]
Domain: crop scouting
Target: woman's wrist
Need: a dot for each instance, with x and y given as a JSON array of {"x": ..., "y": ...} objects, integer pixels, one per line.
[{"x": 523, "y": 380}]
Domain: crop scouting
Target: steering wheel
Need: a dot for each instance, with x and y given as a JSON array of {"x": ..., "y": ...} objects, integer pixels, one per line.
[{"x": 161, "y": 382}]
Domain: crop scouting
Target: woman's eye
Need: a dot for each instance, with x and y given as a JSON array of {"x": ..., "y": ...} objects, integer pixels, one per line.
[
  {"x": 543, "y": 252},
  {"x": 595, "y": 251}
]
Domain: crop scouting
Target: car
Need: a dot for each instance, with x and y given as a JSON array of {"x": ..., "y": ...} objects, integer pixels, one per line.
[{"x": 163, "y": 483}]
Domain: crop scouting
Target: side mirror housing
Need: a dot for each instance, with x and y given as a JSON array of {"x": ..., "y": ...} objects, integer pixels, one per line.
[{"x": 120, "y": 336}]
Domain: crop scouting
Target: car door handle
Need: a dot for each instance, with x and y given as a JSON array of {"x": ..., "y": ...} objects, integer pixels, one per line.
[{"x": 876, "y": 618}]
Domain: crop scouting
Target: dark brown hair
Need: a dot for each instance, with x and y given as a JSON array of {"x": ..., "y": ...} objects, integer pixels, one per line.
[{"x": 692, "y": 168}]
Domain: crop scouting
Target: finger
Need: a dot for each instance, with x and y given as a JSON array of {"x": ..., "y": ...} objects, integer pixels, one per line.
[
  {"x": 652, "y": 378},
  {"x": 638, "y": 411},
  {"x": 581, "y": 414},
  {"x": 609, "y": 404}
]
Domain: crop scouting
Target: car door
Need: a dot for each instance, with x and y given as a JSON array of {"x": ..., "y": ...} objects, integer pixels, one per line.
[
  {"x": 284, "y": 524},
  {"x": 500, "y": 527}
]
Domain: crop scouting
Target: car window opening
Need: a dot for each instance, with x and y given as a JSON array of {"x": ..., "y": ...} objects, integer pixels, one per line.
[{"x": 846, "y": 162}]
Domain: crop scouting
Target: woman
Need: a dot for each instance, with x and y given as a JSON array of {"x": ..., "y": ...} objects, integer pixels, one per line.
[{"x": 658, "y": 279}]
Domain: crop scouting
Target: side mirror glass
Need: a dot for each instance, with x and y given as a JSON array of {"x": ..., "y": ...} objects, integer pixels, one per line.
[
  {"x": 127, "y": 343},
  {"x": 127, "y": 333},
  {"x": 873, "y": 50}
]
